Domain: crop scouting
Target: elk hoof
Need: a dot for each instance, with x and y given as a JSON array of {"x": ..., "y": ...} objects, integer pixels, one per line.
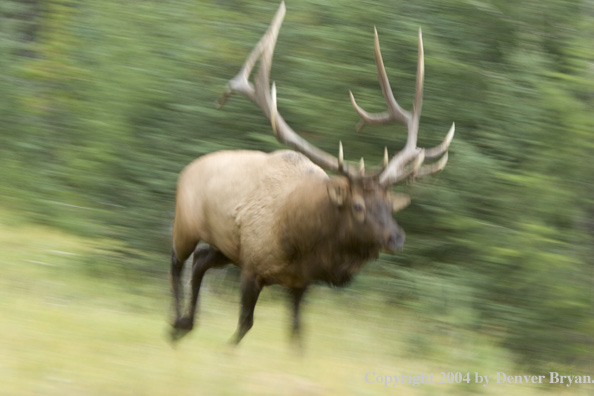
[
  {"x": 181, "y": 327},
  {"x": 184, "y": 324}
]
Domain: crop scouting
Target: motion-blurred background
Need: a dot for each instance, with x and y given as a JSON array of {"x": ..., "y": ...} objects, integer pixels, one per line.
[{"x": 102, "y": 104}]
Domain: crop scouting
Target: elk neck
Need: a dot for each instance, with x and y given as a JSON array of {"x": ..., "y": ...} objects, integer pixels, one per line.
[{"x": 320, "y": 238}]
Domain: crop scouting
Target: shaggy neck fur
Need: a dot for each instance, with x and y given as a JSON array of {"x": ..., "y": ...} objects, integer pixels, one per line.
[{"x": 320, "y": 239}]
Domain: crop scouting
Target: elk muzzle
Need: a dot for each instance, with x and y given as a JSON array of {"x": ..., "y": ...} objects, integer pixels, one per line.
[{"x": 393, "y": 240}]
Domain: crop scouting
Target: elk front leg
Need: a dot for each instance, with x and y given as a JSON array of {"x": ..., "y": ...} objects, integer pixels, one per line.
[{"x": 250, "y": 291}]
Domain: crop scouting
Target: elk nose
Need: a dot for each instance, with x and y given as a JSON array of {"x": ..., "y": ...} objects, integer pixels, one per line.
[{"x": 395, "y": 240}]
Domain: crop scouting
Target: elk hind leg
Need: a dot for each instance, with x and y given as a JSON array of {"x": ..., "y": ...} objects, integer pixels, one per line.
[
  {"x": 296, "y": 298},
  {"x": 205, "y": 257},
  {"x": 175, "y": 275}
]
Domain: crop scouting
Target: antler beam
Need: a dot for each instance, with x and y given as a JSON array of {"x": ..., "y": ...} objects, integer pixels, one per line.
[{"x": 261, "y": 93}]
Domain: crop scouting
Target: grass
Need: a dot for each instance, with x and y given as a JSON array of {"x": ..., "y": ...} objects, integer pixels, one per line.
[{"x": 66, "y": 330}]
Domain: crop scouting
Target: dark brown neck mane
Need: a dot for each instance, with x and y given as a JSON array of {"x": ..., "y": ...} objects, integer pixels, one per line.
[{"x": 318, "y": 238}]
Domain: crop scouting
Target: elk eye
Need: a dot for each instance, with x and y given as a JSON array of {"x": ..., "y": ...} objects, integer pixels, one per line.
[{"x": 357, "y": 207}]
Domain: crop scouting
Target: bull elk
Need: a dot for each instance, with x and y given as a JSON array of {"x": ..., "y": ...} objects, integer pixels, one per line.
[{"x": 278, "y": 216}]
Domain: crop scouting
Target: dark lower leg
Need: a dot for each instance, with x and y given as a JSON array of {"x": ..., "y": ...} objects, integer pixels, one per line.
[
  {"x": 175, "y": 274},
  {"x": 205, "y": 257},
  {"x": 250, "y": 291},
  {"x": 296, "y": 298}
]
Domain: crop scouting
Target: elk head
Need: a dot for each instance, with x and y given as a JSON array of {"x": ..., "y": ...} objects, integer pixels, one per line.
[{"x": 362, "y": 197}]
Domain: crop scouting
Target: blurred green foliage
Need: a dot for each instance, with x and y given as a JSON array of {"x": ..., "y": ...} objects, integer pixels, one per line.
[{"x": 103, "y": 103}]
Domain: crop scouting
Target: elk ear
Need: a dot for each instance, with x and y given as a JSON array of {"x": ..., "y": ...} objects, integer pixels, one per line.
[
  {"x": 399, "y": 201},
  {"x": 337, "y": 191}
]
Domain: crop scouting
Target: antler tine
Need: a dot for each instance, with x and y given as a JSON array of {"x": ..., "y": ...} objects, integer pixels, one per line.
[
  {"x": 418, "y": 169},
  {"x": 265, "y": 97},
  {"x": 435, "y": 167},
  {"x": 413, "y": 128},
  {"x": 369, "y": 118},
  {"x": 442, "y": 148},
  {"x": 395, "y": 113}
]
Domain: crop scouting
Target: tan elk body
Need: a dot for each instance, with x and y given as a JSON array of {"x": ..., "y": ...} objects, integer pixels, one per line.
[
  {"x": 282, "y": 198},
  {"x": 279, "y": 216}
]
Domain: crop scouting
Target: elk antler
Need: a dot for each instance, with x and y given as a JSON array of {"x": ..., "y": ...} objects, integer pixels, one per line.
[
  {"x": 408, "y": 162},
  {"x": 264, "y": 96}
]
